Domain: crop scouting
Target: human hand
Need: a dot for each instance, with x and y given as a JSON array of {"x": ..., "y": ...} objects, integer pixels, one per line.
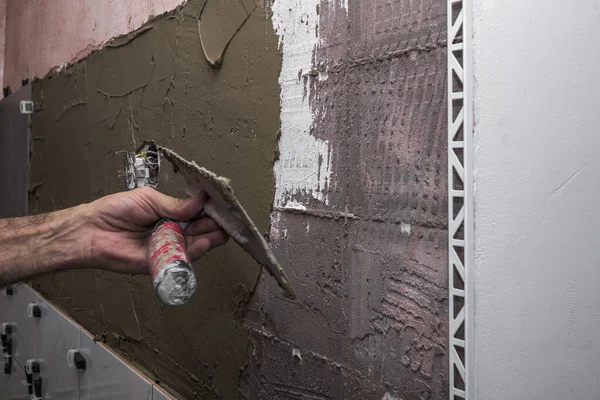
[{"x": 121, "y": 223}]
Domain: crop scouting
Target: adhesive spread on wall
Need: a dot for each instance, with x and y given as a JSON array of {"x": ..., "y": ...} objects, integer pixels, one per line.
[
  {"x": 360, "y": 211},
  {"x": 225, "y": 209},
  {"x": 304, "y": 165},
  {"x": 226, "y": 17},
  {"x": 156, "y": 83},
  {"x": 368, "y": 252}
]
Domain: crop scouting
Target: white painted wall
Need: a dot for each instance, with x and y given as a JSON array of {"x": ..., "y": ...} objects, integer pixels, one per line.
[{"x": 537, "y": 199}]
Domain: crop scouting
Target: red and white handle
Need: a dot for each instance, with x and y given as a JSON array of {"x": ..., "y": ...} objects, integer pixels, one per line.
[{"x": 170, "y": 267}]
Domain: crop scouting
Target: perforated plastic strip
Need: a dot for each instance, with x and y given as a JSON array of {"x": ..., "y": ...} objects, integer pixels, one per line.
[{"x": 460, "y": 200}]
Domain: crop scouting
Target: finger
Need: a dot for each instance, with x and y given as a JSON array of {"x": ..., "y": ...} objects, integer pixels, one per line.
[
  {"x": 198, "y": 245},
  {"x": 202, "y": 226},
  {"x": 171, "y": 207},
  {"x": 215, "y": 239}
]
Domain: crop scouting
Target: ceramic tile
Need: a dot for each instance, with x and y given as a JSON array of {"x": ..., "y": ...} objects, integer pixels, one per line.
[
  {"x": 107, "y": 377},
  {"x": 159, "y": 393},
  {"x": 11, "y": 303},
  {"x": 25, "y": 335},
  {"x": 12, "y": 386},
  {"x": 13, "y": 309},
  {"x": 56, "y": 336}
]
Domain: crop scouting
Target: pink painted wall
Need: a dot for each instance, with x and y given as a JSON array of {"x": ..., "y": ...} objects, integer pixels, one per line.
[{"x": 42, "y": 34}]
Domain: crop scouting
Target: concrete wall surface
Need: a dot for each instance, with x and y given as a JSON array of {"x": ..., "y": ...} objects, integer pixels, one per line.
[
  {"x": 40, "y": 35},
  {"x": 329, "y": 117},
  {"x": 2, "y": 39},
  {"x": 360, "y": 210},
  {"x": 537, "y": 260}
]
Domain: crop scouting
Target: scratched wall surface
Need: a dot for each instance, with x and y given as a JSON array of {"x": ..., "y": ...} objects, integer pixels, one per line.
[
  {"x": 366, "y": 245},
  {"x": 356, "y": 187},
  {"x": 156, "y": 83}
]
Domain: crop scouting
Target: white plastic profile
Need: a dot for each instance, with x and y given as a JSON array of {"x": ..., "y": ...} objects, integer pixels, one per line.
[
  {"x": 6, "y": 328},
  {"x": 460, "y": 201},
  {"x": 26, "y": 107}
]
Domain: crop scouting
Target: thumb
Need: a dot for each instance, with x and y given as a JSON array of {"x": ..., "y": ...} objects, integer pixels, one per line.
[{"x": 173, "y": 208}]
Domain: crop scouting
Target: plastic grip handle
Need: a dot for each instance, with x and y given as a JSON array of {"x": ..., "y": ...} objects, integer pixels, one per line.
[{"x": 170, "y": 267}]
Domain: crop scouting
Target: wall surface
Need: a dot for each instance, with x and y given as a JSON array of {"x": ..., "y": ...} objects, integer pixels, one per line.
[
  {"x": 329, "y": 116},
  {"x": 43, "y": 34},
  {"x": 2, "y": 39},
  {"x": 360, "y": 214},
  {"x": 537, "y": 319},
  {"x": 156, "y": 84},
  {"x": 14, "y": 154}
]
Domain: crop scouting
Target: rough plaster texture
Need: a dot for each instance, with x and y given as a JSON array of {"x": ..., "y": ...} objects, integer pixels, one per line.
[
  {"x": 359, "y": 202},
  {"x": 368, "y": 253},
  {"x": 2, "y": 39},
  {"x": 14, "y": 155},
  {"x": 156, "y": 83},
  {"x": 304, "y": 163},
  {"x": 43, "y": 34},
  {"x": 537, "y": 319}
]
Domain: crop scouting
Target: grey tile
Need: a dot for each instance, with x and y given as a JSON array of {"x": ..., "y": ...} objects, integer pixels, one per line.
[
  {"x": 9, "y": 305},
  {"x": 25, "y": 335},
  {"x": 108, "y": 377},
  {"x": 13, "y": 310},
  {"x": 56, "y": 336},
  {"x": 159, "y": 393},
  {"x": 12, "y": 386}
]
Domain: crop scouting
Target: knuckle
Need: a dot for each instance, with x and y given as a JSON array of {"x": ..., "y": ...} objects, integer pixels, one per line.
[{"x": 146, "y": 191}]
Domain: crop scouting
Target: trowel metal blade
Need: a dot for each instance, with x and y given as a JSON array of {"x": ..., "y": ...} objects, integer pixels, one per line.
[{"x": 224, "y": 208}]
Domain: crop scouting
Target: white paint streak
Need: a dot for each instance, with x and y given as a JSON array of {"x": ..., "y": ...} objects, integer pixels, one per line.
[
  {"x": 405, "y": 228},
  {"x": 304, "y": 166},
  {"x": 294, "y": 205},
  {"x": 344, "y": 4},
  {"x": 275, "y": 230},
  {"x": 296, "y": 354}
]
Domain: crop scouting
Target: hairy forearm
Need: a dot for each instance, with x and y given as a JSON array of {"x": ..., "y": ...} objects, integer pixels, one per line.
[
  {"x": 38, "y": 244},
  {"x": 109, "y": 233}
]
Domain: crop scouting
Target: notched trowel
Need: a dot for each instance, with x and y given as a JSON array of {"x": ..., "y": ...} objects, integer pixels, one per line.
[
  {"x": 170, "y": 267},
  {"x": 224, "y": 208}
]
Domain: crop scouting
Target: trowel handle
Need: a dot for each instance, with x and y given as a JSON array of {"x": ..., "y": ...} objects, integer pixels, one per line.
[{"x": 170, "y": 267}]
